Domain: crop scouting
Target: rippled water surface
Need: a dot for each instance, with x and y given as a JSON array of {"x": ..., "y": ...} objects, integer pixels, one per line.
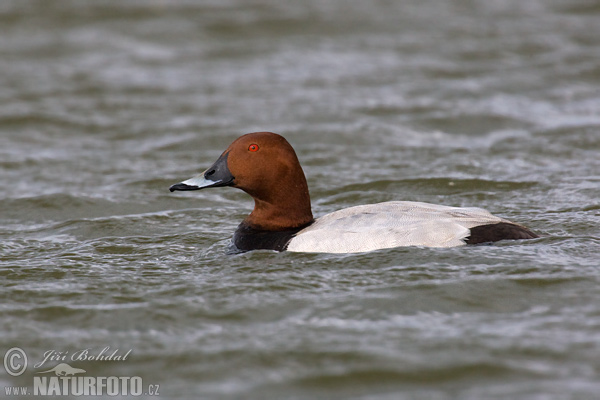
[{"x": 496, "y": 104}]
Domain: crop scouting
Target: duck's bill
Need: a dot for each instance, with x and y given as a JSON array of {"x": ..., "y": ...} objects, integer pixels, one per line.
[
  {"x": 217, "y": 175},
  {"x": 195, "y": 183}
]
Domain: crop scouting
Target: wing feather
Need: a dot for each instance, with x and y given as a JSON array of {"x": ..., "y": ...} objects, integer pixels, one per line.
[{"x": 391, "y": 224}]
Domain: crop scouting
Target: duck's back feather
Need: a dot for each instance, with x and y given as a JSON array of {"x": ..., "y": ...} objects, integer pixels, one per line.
[{"x": 391, "y": 224}]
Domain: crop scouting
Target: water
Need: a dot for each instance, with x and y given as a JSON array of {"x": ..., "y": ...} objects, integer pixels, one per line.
[{"x": 496, "y": 104}]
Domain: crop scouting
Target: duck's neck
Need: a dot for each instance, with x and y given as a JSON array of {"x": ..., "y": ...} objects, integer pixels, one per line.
[{"x": 282, "y": 209}]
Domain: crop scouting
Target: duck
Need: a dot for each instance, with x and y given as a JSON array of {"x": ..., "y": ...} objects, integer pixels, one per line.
[{"x": 265, "y": 166}]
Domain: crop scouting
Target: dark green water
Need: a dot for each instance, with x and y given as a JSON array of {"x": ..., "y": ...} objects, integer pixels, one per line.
[{"x": 495, "y": 104}]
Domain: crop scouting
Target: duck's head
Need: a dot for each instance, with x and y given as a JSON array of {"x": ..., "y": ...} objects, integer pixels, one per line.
[{"x": 264, "y": 165}]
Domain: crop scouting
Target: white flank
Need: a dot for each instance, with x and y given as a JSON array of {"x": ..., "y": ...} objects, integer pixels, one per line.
[{"x": 391, "y": 224}]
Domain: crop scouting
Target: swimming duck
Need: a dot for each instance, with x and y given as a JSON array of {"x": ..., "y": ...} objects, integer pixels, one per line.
[{"x": 264, "y": 165}]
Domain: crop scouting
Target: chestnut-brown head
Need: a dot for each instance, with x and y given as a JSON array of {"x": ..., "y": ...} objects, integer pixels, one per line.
[{"x": 264, "y": 165}]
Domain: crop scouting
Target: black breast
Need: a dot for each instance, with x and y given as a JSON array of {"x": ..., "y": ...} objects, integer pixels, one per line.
[
  {"x": 247, "y": 238},
  {"x": 499, "y": 231}
]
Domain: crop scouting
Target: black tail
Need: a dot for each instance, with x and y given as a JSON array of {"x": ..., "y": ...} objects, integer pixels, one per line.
[{"x": 499, "y": 231}]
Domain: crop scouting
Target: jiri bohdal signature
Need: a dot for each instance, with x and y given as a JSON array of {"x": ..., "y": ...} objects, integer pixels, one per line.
[{"x": 106, "y": 354}]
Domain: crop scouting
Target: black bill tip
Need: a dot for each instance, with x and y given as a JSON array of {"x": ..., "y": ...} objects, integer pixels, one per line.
[{"x": 182, "y": 186}]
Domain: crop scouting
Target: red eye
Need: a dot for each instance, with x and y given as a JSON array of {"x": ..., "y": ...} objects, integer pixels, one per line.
[{"x": 253, "y": 147}]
